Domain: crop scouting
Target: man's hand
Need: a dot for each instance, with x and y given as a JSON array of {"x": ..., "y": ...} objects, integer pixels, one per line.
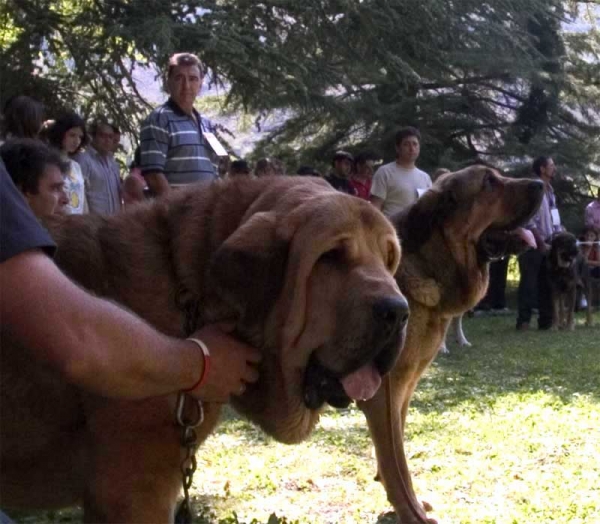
[
  {"x": 232, "y": 364},
  {"x": 157, "y": 183}
]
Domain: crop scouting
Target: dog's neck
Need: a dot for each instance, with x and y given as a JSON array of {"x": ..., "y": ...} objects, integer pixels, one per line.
[{"x": 469, "y": 278}]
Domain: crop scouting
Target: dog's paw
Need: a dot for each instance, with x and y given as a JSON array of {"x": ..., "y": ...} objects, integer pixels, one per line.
[
  {"x": 463, "y": 342},
  {"x": 444, "y": 349}
]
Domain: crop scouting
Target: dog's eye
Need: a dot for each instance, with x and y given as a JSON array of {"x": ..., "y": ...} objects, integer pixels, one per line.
[
  {"x": 391, "y": 258},
  {"x": 333, "y": 256}
]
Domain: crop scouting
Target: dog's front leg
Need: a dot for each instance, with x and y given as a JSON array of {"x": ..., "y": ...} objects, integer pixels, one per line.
[
  {"x": 386, "y": 412},
  {"x": 555, "y": 311},
  {"x": 570, "y": 299},
  {"x": 383, "y": 413}
]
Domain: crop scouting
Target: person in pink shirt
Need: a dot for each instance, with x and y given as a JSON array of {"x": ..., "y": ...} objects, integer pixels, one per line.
[
  {"x": 362, "y": 177},
  {"x": 592, "y": 213}
]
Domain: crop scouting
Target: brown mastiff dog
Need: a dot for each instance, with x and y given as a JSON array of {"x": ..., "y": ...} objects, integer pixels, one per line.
[
  {"x": 448, "y": 238},
  {"x": 306, "y": 274}
]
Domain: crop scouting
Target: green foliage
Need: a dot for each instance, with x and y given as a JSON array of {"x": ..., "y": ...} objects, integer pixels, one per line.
[{"x": 503, "y": 80}]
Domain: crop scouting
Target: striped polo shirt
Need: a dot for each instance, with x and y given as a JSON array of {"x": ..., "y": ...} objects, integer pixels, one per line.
[{"x": 171, "y": 143}]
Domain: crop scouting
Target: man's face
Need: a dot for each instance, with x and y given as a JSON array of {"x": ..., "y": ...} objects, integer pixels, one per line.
[
  {"x": 343, "y": 167},
  {"x": 51, "y": 197},
  {"x": 104, "y": 140},
  {"x": 408, "y": 150},
  {"x": 547, "y": 171},
  {"x": 184, "y": 85}
]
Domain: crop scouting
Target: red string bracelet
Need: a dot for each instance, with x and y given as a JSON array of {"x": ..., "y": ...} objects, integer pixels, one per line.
[{"x": 206, "y": 367}]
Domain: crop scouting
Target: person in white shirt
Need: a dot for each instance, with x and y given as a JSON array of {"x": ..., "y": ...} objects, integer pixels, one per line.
[
  {"x": 68, "y": 135},
  {"x": 398, "y": 184}
]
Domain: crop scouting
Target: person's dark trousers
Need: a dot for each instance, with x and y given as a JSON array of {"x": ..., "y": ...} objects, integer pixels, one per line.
[
  {"x": 496, "y": 294},
  {"x": 534, "y": 289}
]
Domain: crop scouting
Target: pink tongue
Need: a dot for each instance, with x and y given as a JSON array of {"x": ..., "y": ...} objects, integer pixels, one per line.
[
  {"x": 363, "y": 383},
  {"x": 526, "y": 236}
]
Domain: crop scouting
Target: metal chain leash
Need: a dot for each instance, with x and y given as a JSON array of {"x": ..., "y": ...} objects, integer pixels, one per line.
[{"x": 189, "y": 440}]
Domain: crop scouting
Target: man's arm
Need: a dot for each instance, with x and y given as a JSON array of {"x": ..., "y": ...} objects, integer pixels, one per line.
[
  {"x": 376, "y": 201},
  {"x": 539, "y": 240},
  {"x": 157, "y": 182},
  {"x": 102, "y": 348}
]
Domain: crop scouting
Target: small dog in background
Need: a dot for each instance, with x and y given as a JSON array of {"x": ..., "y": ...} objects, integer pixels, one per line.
[{"x": 564, "y": 279}]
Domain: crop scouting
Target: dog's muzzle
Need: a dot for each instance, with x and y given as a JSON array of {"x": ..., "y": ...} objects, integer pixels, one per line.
[{"x": 363, "y": 377}]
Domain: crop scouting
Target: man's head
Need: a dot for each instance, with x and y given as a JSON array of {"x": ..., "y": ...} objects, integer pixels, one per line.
[
  {"x": 184, "y": 80},
  {"x": 543, "y": 166},
  {"x": 342, "y": 163},
  {"x": 103, "y": 137},
  {"x": 39, "y": 173},
  {"x": 239, "y": 168},
  {"x": 408, "y": 145},
  {"x": 23, "y": 117},
  {"x": 364, "y": 164},
  {"x": 264, "y": 167}
]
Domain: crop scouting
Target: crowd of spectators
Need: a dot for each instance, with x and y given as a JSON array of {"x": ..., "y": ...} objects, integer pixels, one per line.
[{"x": 68, "y": 166}]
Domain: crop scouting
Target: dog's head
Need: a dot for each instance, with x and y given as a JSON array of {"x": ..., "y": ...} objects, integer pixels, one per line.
[
  {"x": 309, "y": 276},
  {"x": 476, "y": 205},
  {"x": 563, "y": 251}
]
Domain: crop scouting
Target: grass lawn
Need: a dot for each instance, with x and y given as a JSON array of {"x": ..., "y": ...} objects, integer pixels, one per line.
[{"x": 505, "y": 432}]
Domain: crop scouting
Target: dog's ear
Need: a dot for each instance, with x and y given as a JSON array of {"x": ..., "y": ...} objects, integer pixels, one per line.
[
  {"x": 424, "y": 216},
  {"x": 247, "y": 271}
]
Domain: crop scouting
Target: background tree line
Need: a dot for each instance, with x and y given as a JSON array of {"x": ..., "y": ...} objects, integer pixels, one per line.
[{"x": 501, "y": 80}]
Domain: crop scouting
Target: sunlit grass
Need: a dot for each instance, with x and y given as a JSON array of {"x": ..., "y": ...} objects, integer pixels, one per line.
[{"x": 505, "y": 432}]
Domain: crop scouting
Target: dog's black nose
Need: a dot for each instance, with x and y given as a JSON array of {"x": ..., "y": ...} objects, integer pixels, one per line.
[{"x": 391, "y": 311}]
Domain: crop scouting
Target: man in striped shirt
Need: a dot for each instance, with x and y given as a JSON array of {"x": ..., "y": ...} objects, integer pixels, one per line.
[{"x": 173, "y": 150}]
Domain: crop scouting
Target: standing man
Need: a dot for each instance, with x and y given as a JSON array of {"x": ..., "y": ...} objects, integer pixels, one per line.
[
  {"x": 534, "y": 283},
  {"x": 173, "y": 150},
  {"x": 101, "y": 171},
  {"x": 592, "y": 213},
  {"x": 398, "y": 184},
  {"x": 339, "y": 176}
]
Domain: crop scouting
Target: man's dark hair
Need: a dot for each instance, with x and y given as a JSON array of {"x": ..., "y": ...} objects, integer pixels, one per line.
[
  {"x": 26, "y": 159},
  {"x": 363, "y": 157},
  {"x": 23, "y": 117},
  {"x": 239, "y": 167},
  {"x": 58, "y": 130},
  {"x": 406, "y": 132},
  {"x": 538, "y": 163},
  {"x": 341, "y": 155},
  {"x": 183, "y": 59},
  {"x": 307, "y": 171},
  {"x": 97, "y": 124}
]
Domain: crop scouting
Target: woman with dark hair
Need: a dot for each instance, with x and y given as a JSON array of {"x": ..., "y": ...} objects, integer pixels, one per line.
[
  {"x": 23, "y": 117},
  {"x": 68, "y": 135}
]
